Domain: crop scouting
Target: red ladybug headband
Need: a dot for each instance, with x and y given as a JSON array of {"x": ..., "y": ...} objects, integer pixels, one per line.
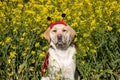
[{"x": 55, "y": 23}]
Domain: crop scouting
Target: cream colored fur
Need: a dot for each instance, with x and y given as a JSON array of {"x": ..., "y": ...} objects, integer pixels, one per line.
[{"x": 62, "y": 53}]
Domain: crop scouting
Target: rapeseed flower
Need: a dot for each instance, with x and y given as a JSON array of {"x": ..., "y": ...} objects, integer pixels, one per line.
[
  {"x": 30, "y": 12},
  {"x": 42, "y": 54},
  {"x": 69, "y": 17},
  {"x": 10, "y": 74},
  {"x": 83, "y": 62},
  {"x": 27, "y": 48},
  {"x": 2, "y": 43},
  {"x": 109, "y": 28},
  {"x": 38, "y": 19},
  {"x": 118, "y": 30},
  {"x": 67, "y": 11},
  {"x": 20, "y": 6},
  {"x": 93, "y": 23},
  {"x": 13, "y": 54},
  {"x": 9, "y": 61},
  {"x": 37, "y": 44},
  {"x": 76, "y": 39},
  {"x": 8, "y": 40},
  {"x": 86, "y": 35},
  {"x": 93, "y": 51},
  {"x": 13, "y": 46},
  {"x": 24, "y": 34},
  {"x": 58, "y": 77},
  {"x": 22, "y": 39},
  {"x": 33, "y": 52},
  {"x": 31, "y": 68},
  {"x": 15, "y": 30},
  {"x": 24, "y": 54}
]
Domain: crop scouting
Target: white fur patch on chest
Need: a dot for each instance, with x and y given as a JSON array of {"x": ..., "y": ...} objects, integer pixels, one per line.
[{"x": 62, "y": 58}]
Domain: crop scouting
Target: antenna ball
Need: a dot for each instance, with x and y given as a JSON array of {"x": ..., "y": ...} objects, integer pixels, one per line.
[
  {"x": 48, "y": 18},
  {"x": 63, "y": 15}
]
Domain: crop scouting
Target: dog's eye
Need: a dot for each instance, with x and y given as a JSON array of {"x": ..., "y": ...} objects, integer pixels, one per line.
[
  {"x": 64, "y": 30},
  {"x": 54, "y": 30}
]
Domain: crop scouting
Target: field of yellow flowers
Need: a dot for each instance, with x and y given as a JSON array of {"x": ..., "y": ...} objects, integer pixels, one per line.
[{"x": 23, "y": 48}]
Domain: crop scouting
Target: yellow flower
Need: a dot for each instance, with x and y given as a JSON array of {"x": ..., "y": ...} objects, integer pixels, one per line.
[
  {"x": 45, "y": 47},
  {"x": 57, "y": 77},
  {"x": 109, "y": 28},
  {"x": 12, "y": 54},
  {"x": 67, "y": 11},
  {"x": 21, "y": 67},
  {"x": 92, "y": 28},
  {"x": 36, "y": 6},
  {"x": 9, "y": 61},
  {"x": 20, "y": 1},
  {"x": 118, "y": 30},
  {"x": 30, "y": 12},
  {"x": 20, "y": 6},
  {"x": 15, "y": 30},
  {"x": 8, "y": 40},
  {"x": 69, "y": 17},
  {"x": 13, "y": 0},
  {"x": 101, "y": 70},
  {"x": 93, "y": 23},
  {"x": 42, "y": 54},
  {"x": 45, "y": 10},
  {"x": 31, "y": 68},
  {"x": 93, "y": 50},
  {"x": 41, "y": 36},
  {"x": 24, "y": 34},
  {"x": 86, "y": 35},
  {"x": 37, "y": 44},
  {"x": 33, "y": 61},
  {"x": 27, "y": 48},
  {"x": 2, "y": 43},
  {"x": 21, "y": 39},
  {"x": 84, "y": 54},
  {"x": 10, "y": 74},
  {"x": 76, "y": 39},
  {"x": 91, "y": 44},
  {"x": 33, "y": 52},
  {"x": 38, "y": 19},
  {"x": 74, "y": 24},
  {"x": 8, "y": 69},
  {"x": 2, "y": 14},
  {"x": 14, "y": 47},
  {"x": 24, "y": 54},
  {"x": 83, "y": 62}
]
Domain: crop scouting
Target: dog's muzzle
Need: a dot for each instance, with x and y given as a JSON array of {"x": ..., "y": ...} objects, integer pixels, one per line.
[{"x": 59, "y": 39}]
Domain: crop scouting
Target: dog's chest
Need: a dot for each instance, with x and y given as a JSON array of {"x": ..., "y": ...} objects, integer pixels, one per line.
[{"x": 62, "y": 58}]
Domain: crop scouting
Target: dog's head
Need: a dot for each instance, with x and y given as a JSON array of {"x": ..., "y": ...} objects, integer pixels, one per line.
[{"x": 60, "y": 35}]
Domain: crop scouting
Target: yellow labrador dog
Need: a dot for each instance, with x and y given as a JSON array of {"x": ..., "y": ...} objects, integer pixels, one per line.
[{"x": 61, "y": 52}]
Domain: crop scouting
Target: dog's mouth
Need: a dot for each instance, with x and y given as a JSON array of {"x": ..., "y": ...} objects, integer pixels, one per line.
[{"x": 60, "y": 42}]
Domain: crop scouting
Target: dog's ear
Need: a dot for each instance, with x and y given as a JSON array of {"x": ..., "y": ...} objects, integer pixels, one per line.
[
  {"x": 72, "y": 32},
  {"x": 47, "y": 34}
]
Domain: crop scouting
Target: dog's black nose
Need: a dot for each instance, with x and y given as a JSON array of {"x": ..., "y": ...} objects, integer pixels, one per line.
[{"x": 59, "y": 37}]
